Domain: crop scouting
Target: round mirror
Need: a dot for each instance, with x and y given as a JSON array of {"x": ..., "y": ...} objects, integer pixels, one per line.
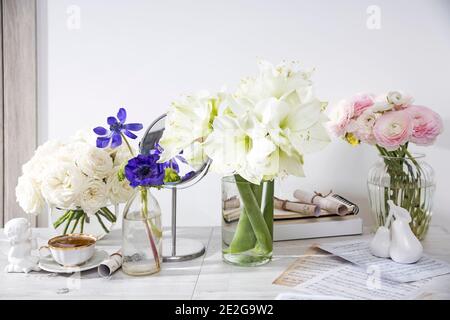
[{"x": 152, "y": 136}]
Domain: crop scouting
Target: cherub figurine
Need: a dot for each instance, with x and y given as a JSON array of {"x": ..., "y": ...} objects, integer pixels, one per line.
[{"x": 18, "y": 233}]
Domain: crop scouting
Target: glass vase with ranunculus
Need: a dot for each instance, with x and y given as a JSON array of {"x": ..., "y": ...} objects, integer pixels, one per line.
[{"x": 391, "y": 123}]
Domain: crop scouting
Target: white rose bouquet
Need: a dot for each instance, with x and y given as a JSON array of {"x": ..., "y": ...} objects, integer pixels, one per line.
[
  {"x": 74, "y": 176},
  {"x": 260, "y": 132}
]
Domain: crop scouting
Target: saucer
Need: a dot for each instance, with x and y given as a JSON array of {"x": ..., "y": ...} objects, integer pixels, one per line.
[{"x": 50, "y": 265}]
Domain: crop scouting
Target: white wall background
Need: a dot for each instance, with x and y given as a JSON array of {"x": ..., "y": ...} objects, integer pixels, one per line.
[{"x": 142, "y": 54}]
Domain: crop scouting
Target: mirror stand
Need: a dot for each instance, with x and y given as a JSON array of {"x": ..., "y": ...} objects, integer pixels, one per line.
[{"x": 188, "y": 249}]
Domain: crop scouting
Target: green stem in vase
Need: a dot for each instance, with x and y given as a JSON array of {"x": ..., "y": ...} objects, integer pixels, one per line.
[
  {"x": 268, "y": 206},
  {"x": 61, "y": 219},
  {"x": 107, "y": 216},
  {"x": 101, "y": 222},
  {"x": 244, "y": 239},
  {"x": 68, "y": 222},
  {"x": 259, "y": 226},
  {"x": 112, "y": 216},
  {"x": 83, "y": 218},
  {"x": 78, "y": 217}
]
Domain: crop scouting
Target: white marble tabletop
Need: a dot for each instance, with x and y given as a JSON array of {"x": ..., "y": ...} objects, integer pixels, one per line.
[{"x": 206, "y": 277}]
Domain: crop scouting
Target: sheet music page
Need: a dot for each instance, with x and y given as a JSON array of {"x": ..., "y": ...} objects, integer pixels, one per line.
[
  {"x": 315, "y": 262},
  {"x": 319, "y": 275},
  {"x": 352, "y": 282},
  {"x": 358, "y": 252}
]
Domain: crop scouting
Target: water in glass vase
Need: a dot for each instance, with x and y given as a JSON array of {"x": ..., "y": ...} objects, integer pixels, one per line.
[
  {"x": 409, "y": 183},
  {"x": 142, "y": 235},
  {"x": 247, "y": 221}
]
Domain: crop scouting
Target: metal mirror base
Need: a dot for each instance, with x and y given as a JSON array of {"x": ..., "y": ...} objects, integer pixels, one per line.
[{"x": 185, "y": 250}]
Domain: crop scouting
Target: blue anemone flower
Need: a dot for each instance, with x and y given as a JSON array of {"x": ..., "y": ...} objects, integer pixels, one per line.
[
  {"x": 117, "y": 127},
  {"x": 144, "y": 170}
]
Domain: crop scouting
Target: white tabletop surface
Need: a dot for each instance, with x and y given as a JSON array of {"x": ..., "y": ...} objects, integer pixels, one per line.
[{"x": 203, "y": 278}]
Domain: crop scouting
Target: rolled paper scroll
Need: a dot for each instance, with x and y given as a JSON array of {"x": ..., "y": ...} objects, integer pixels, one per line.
[
  {"x": 110, "y": 265},
  {"x": 231, "y": 203},
  {"x": 324, "y": 203},
  {"x": 302, "y": 208}
]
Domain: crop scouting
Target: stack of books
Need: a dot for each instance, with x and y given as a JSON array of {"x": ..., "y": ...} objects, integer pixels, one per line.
[{"x": 309, "y": 220}]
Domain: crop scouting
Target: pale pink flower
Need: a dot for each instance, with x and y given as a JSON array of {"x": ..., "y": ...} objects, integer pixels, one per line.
[
  {"x": 362, "y": 127},
  {"x": 399, "y": 99},
  {"x": 340, "y": 118},
  {"x": 393, "y": 129},
  {"x": 427, "y": 125},
  {"x": 361, "y": 103}
]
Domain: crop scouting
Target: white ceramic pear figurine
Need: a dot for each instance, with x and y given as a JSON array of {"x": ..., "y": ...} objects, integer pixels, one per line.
[
  {"x": 381, "y": 242},
  {"x": 405, "y": 247}
]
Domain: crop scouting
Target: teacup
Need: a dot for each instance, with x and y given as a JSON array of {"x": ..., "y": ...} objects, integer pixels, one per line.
[{"x": 71, "y": 249}]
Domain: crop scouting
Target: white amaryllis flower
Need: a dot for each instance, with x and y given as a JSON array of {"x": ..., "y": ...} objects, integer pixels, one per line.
[
  {"x": 230, "y": 147},
  {"x": 268, "y": 125},
  {"x": 62, "y": 182},
  {"x": 94, "y": 162},
  {"x": 188, "y": 120},
  {"x": 274, "y": 81},
  {"x": 94, "y": 196},
  {"x": 118, "y": 191},
  {"x": 29, "y": 196}
]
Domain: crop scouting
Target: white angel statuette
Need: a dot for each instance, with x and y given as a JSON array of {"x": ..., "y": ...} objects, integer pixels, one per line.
[
  {"x": 405, "y": 247},
  {"x": 381, "y": 242},
  {"x": 19, "y": 235}
]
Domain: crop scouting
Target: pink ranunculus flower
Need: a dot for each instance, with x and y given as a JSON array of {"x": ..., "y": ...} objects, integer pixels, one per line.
[
  {"x": 340, "y": 118},
  {"x": 427, "y": 125},
  {"x": 393, "y": 129},
  {"x": 361, "y": 102},
  {"x": 362, "y": 128}
]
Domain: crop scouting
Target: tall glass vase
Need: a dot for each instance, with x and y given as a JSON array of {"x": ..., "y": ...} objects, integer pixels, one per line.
[
  {"x": 247, "y": 224},
  {"x": 142, "y": 234},
  {"x": 409, "y": 182}
]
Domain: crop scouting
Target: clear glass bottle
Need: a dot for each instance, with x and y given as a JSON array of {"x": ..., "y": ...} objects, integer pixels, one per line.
[
  {"x": 409, "y": 182},
  {"x": 247, "y": 225},
  {"x": 142, "y": 234}
]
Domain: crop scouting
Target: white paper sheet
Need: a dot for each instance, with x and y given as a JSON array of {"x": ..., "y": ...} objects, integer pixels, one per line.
[
  {"x": 358, "y": 253},
  {"x": 352, "y": 282},
  {"x": 307, "y": 267},
  {"x": 320, "y": 276}
]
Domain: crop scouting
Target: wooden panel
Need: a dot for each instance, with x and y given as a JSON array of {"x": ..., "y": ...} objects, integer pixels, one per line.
[
  {"x": 1, "y": 119},
  {"x": 19, "y": 80}
]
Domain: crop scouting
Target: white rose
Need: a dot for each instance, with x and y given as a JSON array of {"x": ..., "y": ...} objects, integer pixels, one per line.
[
  {"x": 85, "y": 136},
  {"x": 121, "y": 155},
  {"x": 94, "y": 196},
  {"x": 48, "y": 148},
  {"x": 62, "y": 183},
  {"x": 35, "y": 167},
  {"x": 94, "y": 162},
  {"x": 69, "y": 152},
  {"x": 118, "y": 191},
  {"x": 29, "y": 196}
]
